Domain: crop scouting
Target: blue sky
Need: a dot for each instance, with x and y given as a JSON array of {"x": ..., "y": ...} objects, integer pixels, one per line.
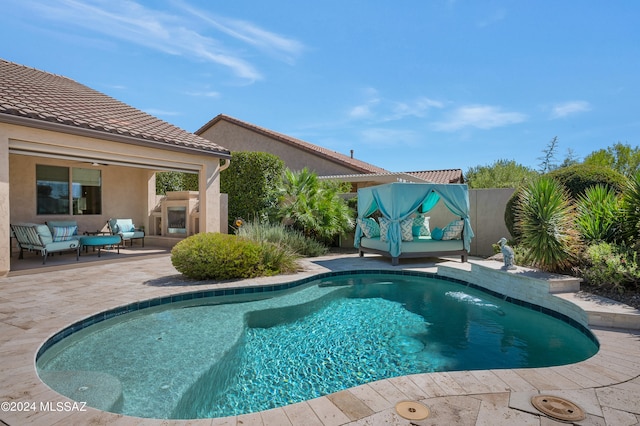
[{"x": 410, "y": 85}]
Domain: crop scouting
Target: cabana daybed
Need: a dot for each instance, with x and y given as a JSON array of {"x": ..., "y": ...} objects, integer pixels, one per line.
[{"x": 402, "y": 230}]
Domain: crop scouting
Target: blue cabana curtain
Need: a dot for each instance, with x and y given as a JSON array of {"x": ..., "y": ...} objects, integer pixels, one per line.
[{"x": 397, "y": 201}]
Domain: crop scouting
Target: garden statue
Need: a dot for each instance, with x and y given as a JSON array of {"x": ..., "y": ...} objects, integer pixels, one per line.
[{"x": 507, "y": 254}]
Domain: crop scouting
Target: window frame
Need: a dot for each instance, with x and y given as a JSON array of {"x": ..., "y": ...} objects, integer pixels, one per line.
[{"x": 72, "y": 196}]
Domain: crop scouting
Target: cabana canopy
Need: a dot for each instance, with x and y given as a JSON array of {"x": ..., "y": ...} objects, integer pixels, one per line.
[{"x": 397, "y": 201}]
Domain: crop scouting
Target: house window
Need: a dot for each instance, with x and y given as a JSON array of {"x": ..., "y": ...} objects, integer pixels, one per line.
[
  {"x": 86, "y": 189},
  {"x": 68, "y": 191},
  {"x": 53, "y": 189}
]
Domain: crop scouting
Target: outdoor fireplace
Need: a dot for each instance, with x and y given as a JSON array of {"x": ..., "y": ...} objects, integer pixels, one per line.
[
  {"x": 177, "y": 220},
  {"x": 177, "y": 215}
]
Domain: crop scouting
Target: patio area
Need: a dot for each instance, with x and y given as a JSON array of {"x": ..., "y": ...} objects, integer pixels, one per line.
[
  {"x": 32, "y": 262},
  {"x": 37, "y": 302}
]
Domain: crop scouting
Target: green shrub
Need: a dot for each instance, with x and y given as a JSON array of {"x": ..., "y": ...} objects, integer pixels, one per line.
[
  {"x": 250, "y": 182},
  {"x": 176, "y": 181},
  {"x": 545, "y": 220},
  {"x": 221, "y": 256},
  {"x": 294, "y": 240},
  {"x": 278, "y": 258},
  {"x": 631, "y": 211},
  {"x": 500, "y": 174},
  {"x": 611, "y": 267},
  {"x": 576, "y": 179},
  {"x": 598, "y": 214},
  {"x": 510, "y": 214}
]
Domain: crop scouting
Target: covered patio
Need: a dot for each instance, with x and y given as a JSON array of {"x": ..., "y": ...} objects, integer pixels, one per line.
[
  {"x": 70, "y": 153},
  {"x": 32, "y": 262}
]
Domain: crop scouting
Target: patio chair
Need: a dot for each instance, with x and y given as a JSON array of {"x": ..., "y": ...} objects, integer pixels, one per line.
[
  {"x": 126, "y": 230},
  {"x": 32, "y": 236}
]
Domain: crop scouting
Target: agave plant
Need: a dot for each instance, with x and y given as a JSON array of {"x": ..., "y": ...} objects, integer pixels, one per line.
[
  {"x": 545, "y": 220},
  {"x": 598, "y": 214}
]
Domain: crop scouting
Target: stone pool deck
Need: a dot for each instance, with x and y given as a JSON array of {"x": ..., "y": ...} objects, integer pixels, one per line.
[{"x": 34, "y": 306}]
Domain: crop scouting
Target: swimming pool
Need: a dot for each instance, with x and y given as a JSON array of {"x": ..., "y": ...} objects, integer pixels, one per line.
[{"x": 226, "y": 352}]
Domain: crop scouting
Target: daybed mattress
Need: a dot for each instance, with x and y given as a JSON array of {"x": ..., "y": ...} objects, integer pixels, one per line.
[{"x": 418, "y": 245}]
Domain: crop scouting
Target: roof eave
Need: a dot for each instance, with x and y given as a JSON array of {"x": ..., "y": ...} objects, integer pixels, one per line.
[
  {"x": 96, "y": 134},
  {"x": 376, "y": 177}
]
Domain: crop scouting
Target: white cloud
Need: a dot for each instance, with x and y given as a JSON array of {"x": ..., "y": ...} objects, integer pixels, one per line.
[
  {"x": 479, "y": 116},
  {"x": 159, "y": 112},
  {"x": 361, "y": 111},
  {"x": 389, "y": 110},
  {"x": 204, "y": 94},
  {"x": 252, "y": 34},
  {"x": 365, "y": 110},
  {"x": 569, "y": 108},
  {"x": 384, "y": 137},
  {"x": 416, "y": 108},
  {"x": 171, "y": 32}
]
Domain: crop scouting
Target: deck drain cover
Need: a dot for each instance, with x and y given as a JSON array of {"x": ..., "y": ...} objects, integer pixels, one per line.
[
  {"x": 412, "y": 410},
  {"x": 558, "y": 408}
]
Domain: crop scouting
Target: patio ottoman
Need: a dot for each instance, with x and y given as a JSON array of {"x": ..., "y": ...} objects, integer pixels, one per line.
[{"x": 100, "y": 241}]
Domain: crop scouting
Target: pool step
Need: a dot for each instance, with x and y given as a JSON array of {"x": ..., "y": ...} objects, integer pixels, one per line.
[{"x": 603, "y": 312}]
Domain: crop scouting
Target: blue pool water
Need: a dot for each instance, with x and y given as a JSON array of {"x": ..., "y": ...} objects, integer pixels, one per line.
[{"x": 224, "y": 356}]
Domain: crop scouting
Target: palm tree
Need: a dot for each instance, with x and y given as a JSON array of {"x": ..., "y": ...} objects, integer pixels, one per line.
[
  {"x": 545, "y": 219},
  {"x": 313, "y": 206}
]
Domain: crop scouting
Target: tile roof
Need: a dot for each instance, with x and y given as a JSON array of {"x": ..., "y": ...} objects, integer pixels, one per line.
[
  {"x": 47, "y": 98},
  {"x": 440, "y": 176},
  {"x": 387, "y": 177},
  {"x": 431, "y": 176},
  {"x": 353, "y": 163}
]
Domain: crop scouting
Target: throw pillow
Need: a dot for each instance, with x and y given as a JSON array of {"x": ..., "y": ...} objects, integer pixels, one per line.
[
  {"x": 384, "y": 229},
  {"x": 421, "y": 226},
  {"x": 370, "y": 227},
  {"x": 406, "y": 229},
  {"x": 453, "y": 231},
  {"x": 436, "y": 234},
  {"x": 63, "y": 233},
  {"x": 45, "y": 234}
]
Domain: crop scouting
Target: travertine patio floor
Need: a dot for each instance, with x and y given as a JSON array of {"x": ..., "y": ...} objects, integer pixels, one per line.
[{"x": 34, "y": 306}]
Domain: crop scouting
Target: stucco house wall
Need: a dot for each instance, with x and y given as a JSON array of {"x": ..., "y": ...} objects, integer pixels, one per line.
[
  {"x": 487, "y": 218},
  {"x": 238, "y": 135},
  {"x": 236, "y": 138},
  {"x": 122, "y": 190}
]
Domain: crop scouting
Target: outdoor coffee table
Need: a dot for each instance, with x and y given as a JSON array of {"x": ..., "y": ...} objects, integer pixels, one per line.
[{"x": 100, "y": 241}]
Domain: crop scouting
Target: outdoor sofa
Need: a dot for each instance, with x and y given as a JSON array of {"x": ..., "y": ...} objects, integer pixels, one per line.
[
  {"x": 418, "y": 246},
  {"x": 39, "y": 237}
]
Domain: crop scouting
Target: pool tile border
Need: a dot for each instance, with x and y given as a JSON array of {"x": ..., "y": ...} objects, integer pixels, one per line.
[{"x": 165, "y": 300}]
